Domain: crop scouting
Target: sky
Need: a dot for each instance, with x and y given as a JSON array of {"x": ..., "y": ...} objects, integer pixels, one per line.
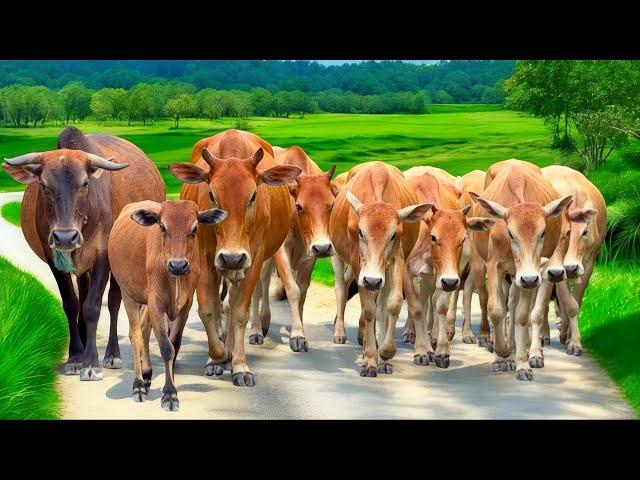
[{"x": 340, "y": 62}]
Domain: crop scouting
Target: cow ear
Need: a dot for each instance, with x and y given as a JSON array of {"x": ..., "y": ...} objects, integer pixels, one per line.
[
  {"x": 355, "y": 203},
  {"x": 413, "y": 213},
  {"x": 279, "y": 175},
  {"x": 465, "y": 209},
  {"x": 257, "y": 156},
  {"x": 493, "y": 208},
  {"x": 584, "y": 215},
  {"x": 145, "y": 217},
  {"x": 212, "y": 216},
  {"x": 330, "y": 173},
  {"x": 189, "y": 173},
  {"x": 335, "y": 189},
  {"x": 479, "y": 224},
  {"x": 555, "y": 208},
  {"x": 23, "y": 174}
]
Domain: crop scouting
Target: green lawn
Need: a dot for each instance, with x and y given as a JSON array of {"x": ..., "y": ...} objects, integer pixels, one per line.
[
  {"x": 11, "y": 211},
  {"x": 33, "y": 336}
]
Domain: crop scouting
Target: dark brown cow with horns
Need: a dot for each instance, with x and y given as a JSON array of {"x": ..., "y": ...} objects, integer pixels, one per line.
[{"x": 67, "y": 213}]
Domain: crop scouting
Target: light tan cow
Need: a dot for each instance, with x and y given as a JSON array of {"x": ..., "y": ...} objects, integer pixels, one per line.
[
  {"x": 341, "y": 179},
  {"x": 526, "y": 207},
  {"x": 373, "y": 228},
  {"x": 439, "y": 259},
  {"x": 153, "y": 252},
  {"x": 236, "y": 172}
]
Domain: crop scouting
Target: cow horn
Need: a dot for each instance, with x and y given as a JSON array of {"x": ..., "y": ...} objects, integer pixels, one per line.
[
  {"x": 106, "y": 163},
  {"x": 330, "y": 172},
  {"x": 27, "y": 159}
]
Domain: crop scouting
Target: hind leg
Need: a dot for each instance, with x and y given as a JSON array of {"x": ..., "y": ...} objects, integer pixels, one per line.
[{"x": 112, "y": 357}]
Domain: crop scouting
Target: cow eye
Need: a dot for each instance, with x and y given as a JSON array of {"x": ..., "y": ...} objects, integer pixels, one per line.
[
  {"x": 43, "y": 186},
  {"x": 542, "y": 234},
  {"x": 463, "y": 239},
  {"x": 510, "y": 234},
  {"x": 433, "y": 238},
  {"x": 393, "y": 237},
  {"x": 163, "y": 229},
  {"x": 194, "y": 231},
  {"x": 85, "y": 185},
  {"x": 330, "y": 206},
  {"x": 361, "y": 234},
  {"x": 584, "y": 233},
  {"x": 253, "y": 197},
  {"x": 298, "y": 207}
]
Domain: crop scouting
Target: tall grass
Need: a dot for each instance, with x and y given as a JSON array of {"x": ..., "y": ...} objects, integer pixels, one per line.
[{"x": 33, "y": 336}]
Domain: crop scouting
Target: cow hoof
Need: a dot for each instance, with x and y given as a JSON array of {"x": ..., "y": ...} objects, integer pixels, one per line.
[
  {"x": 298, "y": 344},
  {"x": 385, "y": 368},
  {"x": 524, "y": 375},
  {"x": 139, "y": 395},
  {"x": 421, "y": 359},
  {"x": 441, "y": 361},
  {"x": 408, "y": 337},
  {"x": 72, "y": 368},
  {"x": 212, "y": 369},
  {"x": 91, "y": 374},
  {"x": 340, "y": 339},
  {"x": 572, "y": 350},
  {"x": 468, "y": 339},
  {"x": 256, "y": 339},
  {"x": 170, "y": 402},
  {"x": 536, "y": 362},
  {"x": 546, "y": 341},
  {"x": 499, "y": 366},
  {"x": 368, "y": 371},
  {"x": 243, "y": 379},
  {"x": 112, "y": 362}
]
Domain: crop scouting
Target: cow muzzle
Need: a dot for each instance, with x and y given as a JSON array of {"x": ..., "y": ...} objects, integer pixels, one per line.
[
  {"x": 65, "y": 240},
  {"x": 372, "y": 282},
  {"x": 556, "y": 275},
  {"x": 321, "y": 250},
  {"x": 574, "y": 270},
  {"x": 528, "y": 281},
  {"x": 449, "y": 284},
  {"x": 232, "y": 261},
  {"x": 178, "y": 266}
]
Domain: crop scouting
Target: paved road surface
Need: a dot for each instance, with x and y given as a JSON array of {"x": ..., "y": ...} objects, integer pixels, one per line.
[{"x": 324, "y": 383}]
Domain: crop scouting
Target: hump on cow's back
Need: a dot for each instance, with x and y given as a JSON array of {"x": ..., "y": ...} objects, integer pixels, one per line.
[
  {"x": 505, "y": 166},
  {"x": 73, "y": 139}
]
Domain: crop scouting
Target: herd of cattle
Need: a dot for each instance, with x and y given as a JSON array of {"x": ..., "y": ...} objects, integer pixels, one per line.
[{"x": 96, "y": 209}]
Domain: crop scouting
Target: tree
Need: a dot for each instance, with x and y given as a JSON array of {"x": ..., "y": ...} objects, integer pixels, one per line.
[
  {"x": 139, "y": 103},
  {"x": 181, "y": 106},
  {"x": 101, "y": 105},
  {"x": 76, "y": 101},
  {"x": 442, "y": 97},
  {"x": 263, "y": 102},
  {"x": 492, "y": 95}
]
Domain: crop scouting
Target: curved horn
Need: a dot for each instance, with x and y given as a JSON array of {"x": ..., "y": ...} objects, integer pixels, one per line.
[
  {"x": 106, "y": 163},
  {"x": 330, "y": 172},
  {"x": 208, "y": 157},
  {"x": 27, "y": 159}
]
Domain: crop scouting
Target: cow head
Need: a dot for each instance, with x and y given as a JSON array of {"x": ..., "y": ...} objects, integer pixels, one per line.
[
  {"x": 177, "y": 222},
  {"x": 233, "y": 187},
  {"x": 379, "y": 234},
  {"x": 526, "y": 224},
  {"x": 580, "y": 236},
  {"x": 314, "y": 196},
  {"x": 65, "y": 180}
]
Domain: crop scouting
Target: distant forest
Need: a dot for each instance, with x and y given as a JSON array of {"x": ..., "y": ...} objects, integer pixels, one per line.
[{"x": 444, "y": 82}]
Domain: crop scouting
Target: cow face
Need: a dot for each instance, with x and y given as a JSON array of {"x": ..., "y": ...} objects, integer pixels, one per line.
[
  {"x": 65, "y": 180},
  {"x": 177, "y": 222},
  {"x": 379, "y": 234},
  {"x": 580, "y": 236},
  {"x": 314, "y": 196},
  {"x": 526, "y": 224},
  {"x": 233, "y": 184}
]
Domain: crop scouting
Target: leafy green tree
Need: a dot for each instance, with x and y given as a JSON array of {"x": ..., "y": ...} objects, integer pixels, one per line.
[
  {"x": 183, "y": 105},
  {"x": 442, "y": 97},
  {"x": 263, "y": 102},
  {"x": 139, "y": 103},
  {"x": 76, "y": 101},
  {"x": 101, "y": 105}
]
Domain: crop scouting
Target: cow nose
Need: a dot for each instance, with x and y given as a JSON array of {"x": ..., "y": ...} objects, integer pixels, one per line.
[
  {"x": 321, "y": 249},
  {"x": 232, "y": 261},
  {"x": 65, "y": 239},
  {"x": 449, "y": 283},
  {"x": 178, "y": 266},
  {"x": 572, "y": 269},
  {"x": 556, "y": 274},
  {"x": 529, "y": 281},
  {"x": 372, "y": 283}
]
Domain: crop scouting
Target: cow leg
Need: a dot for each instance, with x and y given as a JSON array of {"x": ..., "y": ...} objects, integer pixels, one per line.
[
  {"x": 570, "y": 307},
  {"x": 134, "y": 310},
  {"x": 280, "y": 293},
  {"x": 159, "y": 323},
  {"x": 423, "y": 349},
  {"x": 545, "y": 333},
  {"x": 393, "y": 302},
  {"x": 452, "y": 311},
  {"x": 83, "y": 288},
  {"x": 467, "y": 296},
  {"x": 256, "y": 337},
  {"x": 147, "y": 369},
  {"x": 485, "y": 339},
  {"x": 303, "y": 279},
  {"x": 297, "y": 340},
  {"x": 265, "y": 309},
  {"x": 369, "y": 366},
  {"x": 512, "y": 302},
  {"x": 112, "y": 354},
  {"x": 440, "y": 302},
  {"x": 339, "y": 334},
  {"x": 71, "y": 307},
  {"x": 414, "y": 309},
  {"x": 382, "y": 311},
  {"x": 91, "y": 309},
  {"x": 177, "y": 329},
  {"x": 209, "y": 312},
  {"x": 496, "y": 310},
  {"x": 539, "y": 315},
  {"x": 522, "y": 315}
]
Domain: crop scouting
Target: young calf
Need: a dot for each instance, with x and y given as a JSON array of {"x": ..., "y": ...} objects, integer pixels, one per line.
[{"x": 153, "y": 251}]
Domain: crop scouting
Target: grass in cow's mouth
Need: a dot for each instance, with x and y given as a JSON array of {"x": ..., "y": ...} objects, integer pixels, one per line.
[
  {"x": 33, "y": 336},
  {"x": 11, "y": 212}
]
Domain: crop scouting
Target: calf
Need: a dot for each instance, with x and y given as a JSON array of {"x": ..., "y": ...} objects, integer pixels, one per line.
[
  {"x": 157, "y": 269},
  {"x": 373, "y": 228}
]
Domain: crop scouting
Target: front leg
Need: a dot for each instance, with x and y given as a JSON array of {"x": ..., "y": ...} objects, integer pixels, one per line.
[
  {"x": 496, "y": 308},
  {"x": 71, "y": 308},
  {"x": 522, "y": 316},
  {"x": 339, "y": 334},
  {"x": 394, "y": 304},
  {"x": 441, "y": 301},
  {"x": 297, "y": 340},
  {"x": 467, "y": 296},
  {"x": 158, "y": 317},
  {"x": 256, "y": 337},
  {"x": 538, "y": 317},
  {"x": 423, "y": 349},
  {"x": 452, "y": 311},
  {"x": 112, "y": 357},
  {"x": 414, "y": 308},
  {"x": 369, "y": 366},
  {"x": 569, "y": 307}
]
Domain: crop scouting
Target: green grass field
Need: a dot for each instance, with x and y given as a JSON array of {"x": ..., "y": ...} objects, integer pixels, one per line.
[
  {"x": 11, "y": 211},
  {"x": 33, "y": 336}
]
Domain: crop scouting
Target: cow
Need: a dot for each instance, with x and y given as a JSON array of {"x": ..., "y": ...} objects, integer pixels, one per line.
[
  {"x": 526, "y": 208},
  {"x": 373, "y": 228},
  {"x": 154, "y": 256},
  {"x": 439, "y": 259},
  {"x": 235, "y": 171},
  {"x": 308, "y": 239},
  {"x": 74, "y": 195}
]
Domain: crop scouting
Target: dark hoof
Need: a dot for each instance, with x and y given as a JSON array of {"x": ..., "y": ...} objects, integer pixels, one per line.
[
  {"x": 298, "y": 344},
  {"x": 265, "y": 330},
  {"x": 442, "y": 361},
  {"x": 536, "y": 362},
  {"x": 524, "y": 375},
  {"x": 212, "y": 369},
  {"x": 112, "y": 362},
  {"x": 139, "y": 395},
  {"x": 546, "y": 341},
  {"x": 72, "y": 368},
  {"x": 170, "y": 402},
  {"x": 366, "y": 371},
  {"x": 256, "y": 339},
  {"x": 421, "y": 359},
  {"x": 89, "y": 374},
  {"x": 499, "y": 366},
  {"x": 243, "y": 379},
  {"x": 340, "y": 339},
  {"x": 576, "y": 351},
  {"x": 385, "y": 368},
  {"x": 469, "y": 339},
  {"x": 408, "y": 337}
]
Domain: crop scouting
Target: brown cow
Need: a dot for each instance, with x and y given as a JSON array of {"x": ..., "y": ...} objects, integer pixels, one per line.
[
  {"x": 373, "y": 229},
  {"x": 67, "y": 212},
  {"x": 439, "y": 259},
  {"x": 525, "y": 205},
  {"x": 157, "y": 269},
  {"x": 236, "y": 171}
]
